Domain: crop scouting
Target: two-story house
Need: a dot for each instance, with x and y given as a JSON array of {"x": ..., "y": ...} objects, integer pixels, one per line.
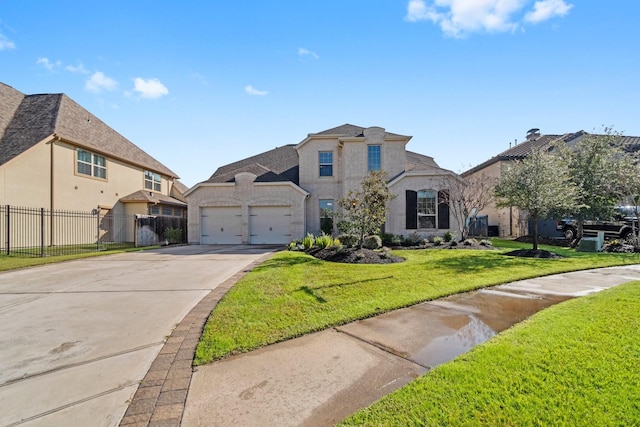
[
  {"x": 282, "y": 194},
  {"x": 56, "y": 155}
]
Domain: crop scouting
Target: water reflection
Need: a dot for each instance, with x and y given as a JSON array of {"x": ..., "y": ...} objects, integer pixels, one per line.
[{"x": 444, "y": 348}]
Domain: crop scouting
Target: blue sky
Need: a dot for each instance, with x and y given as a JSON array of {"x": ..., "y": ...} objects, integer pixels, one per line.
[{"x": 199, "y": 84}]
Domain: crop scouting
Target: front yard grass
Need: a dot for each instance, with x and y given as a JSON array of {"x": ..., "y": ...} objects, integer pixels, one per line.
[
  {"x": 293, "y": 294},
  {"x": 573, "y": 364}
]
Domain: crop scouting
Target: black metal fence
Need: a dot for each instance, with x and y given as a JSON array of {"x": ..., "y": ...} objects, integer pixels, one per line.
[{"x": 38, "y": 232}]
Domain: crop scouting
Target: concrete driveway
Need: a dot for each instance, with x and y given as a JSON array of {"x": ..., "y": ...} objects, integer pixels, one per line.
[{"x": 76, "y": 338}]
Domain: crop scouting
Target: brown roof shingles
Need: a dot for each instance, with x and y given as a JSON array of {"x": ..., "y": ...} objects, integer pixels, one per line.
[{"x": 35, "y": 117}]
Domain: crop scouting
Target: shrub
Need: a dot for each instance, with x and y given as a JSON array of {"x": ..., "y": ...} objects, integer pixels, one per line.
[
  {"x": 348, "y": 240},
  {"x": 470, "y": 242},
  {"x": 453, "y": 243},
  {"x": 385, "y": 252},
  {"x": 173, "y": 235},
  {"x": 307, "y": 241},
  {"x": 388, "y": 239},
  {"x": 372, "y": 242},
  {"x": 485, "y": 242},
  {"x": 447, "y": 236},
  {"x": 437, "y": 241},
  {"x": 293, "y": 245},
  {"x": 412, "y": 239},
  {"x": 324, "y": 241}
]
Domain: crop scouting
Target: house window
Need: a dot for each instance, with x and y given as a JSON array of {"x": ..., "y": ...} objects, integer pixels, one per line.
[
  {"x": 426, "y": 209},
  {"x": 326, "y": 216},
  {"x": 374, "y": 162},
  {"x": 91, "y": 164},
  {"x": 326, "y": 163},
  {"x": 154, "y": 210},
  {"x": 151, "y": 181},
  {"x": 177, "y": 212},
  {"x": 167, "y": 211}
]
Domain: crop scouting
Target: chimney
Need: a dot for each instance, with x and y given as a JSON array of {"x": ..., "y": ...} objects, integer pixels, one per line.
[{"x": 533, "y": 134}]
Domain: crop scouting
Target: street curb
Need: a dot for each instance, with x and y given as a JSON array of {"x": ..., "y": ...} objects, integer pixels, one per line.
[{"x": 162, "y": 393}]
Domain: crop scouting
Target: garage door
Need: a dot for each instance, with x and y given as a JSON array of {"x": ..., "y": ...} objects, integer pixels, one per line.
[
  {"x": 270, "y": 224},
  {"x": 221, "y": 225}
]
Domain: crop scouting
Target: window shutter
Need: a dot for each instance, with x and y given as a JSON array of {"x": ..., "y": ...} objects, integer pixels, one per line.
[
  {"x": 411, "y": 210},
  {"x": 443, "y": 209}
]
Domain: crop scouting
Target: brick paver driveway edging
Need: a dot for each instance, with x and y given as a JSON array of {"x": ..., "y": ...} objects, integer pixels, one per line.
[{"x": 161, "y": 396}]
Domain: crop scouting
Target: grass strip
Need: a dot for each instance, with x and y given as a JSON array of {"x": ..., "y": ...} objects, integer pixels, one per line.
[
  {"x": 574, "y": 364},
  {"x": 14, "y": 262},
  {"x": 293, "y": 293}
]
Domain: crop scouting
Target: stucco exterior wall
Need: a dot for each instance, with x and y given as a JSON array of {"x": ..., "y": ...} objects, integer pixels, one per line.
[
  {"x": 24, "y": 180},
  {"x": 246, "y": 193},
  {"x": 27, "y": 180},
  {"x": 396, "y": 217}
]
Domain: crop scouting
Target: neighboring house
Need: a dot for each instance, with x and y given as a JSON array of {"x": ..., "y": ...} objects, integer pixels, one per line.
[
  {"x": 56, "y": 155},
  {"x": 282, "y": 194},
  {"x": 514, "y": 222}
]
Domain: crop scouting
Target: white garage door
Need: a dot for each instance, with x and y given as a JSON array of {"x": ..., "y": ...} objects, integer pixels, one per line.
[
  {"x": 270, "y": 224},
  {"x": 221, "y": 225}
]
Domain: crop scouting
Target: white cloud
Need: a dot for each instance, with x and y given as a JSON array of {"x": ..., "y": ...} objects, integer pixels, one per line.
[
  {"x": 150, "y": 88},
  {"x": 99, "y": 82},
  {"x": 306, "y": 52},
  {"x": 46, "y": 63},
  {"x": 547, "y": 9},
  {"x": 77, "y": 69},
  {"x": 458, "y": 18},
  {"x": 5, "y": 43},
  {"x": 253, "y": 91}
]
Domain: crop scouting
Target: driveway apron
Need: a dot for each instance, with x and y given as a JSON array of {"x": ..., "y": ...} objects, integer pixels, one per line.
[{"x": 76, "y": 338}]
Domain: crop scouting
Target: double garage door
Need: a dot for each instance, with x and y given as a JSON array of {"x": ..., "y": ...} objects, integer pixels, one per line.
[{"x": 267, "y": 225}]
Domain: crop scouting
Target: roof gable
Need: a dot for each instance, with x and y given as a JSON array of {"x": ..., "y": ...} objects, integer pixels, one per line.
[
  {"x": 37, "y": 116},
  {"x": 348, "y": 130}
]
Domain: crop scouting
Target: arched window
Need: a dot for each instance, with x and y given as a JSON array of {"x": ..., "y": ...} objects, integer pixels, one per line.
[{"x": 427, "y": 209}]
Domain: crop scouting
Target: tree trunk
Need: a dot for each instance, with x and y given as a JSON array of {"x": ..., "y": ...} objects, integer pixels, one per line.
[{"x": 535, "y": 234}]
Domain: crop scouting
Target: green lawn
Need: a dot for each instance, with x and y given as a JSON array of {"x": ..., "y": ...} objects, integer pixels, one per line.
[
  {"x": 574, "y": 364},
  {"x": 293, "y": 293}
]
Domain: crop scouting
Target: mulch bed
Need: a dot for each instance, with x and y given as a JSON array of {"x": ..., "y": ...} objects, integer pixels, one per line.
[{"x": 530, "y": 253}]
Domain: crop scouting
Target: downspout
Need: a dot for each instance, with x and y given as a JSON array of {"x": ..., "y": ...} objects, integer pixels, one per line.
[{"x": 51, "y": 189}]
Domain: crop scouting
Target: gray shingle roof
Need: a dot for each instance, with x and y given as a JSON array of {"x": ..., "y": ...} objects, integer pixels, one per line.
[
  {"x": 35, "y": 117},
  {"x": 150, "y": 197},
  {"x": 522, "y": 150},
  {"x": 416, "y": 162},
  {"x": 348, "y": 130},
  {"x": 279, "y": 164}
]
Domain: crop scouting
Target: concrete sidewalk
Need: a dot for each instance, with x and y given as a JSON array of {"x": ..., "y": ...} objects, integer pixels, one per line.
[{"x": 321, "y": 378}]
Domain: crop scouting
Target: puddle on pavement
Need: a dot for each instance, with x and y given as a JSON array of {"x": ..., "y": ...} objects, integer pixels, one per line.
[
  {"x": 445, "y": 348},
  {"x": 487, "y": 313},
  {"x": 435, "y": 332}
]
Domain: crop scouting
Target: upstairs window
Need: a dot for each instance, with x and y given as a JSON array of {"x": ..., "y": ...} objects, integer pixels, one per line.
[
  {"x": 326, "y": 163},
  {"x": 374, "y": 162},
  {"x": 152, "y": 181},
  {"x": 91, "y": 164}
]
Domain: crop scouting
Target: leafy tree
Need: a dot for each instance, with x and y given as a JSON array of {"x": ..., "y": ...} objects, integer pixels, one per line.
[
  {"x": 540, "y": 184},
  {"x": 598, "y": 168},
  {"x": 365, "y": 211},
  {"x": 466, "y": 197}
]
